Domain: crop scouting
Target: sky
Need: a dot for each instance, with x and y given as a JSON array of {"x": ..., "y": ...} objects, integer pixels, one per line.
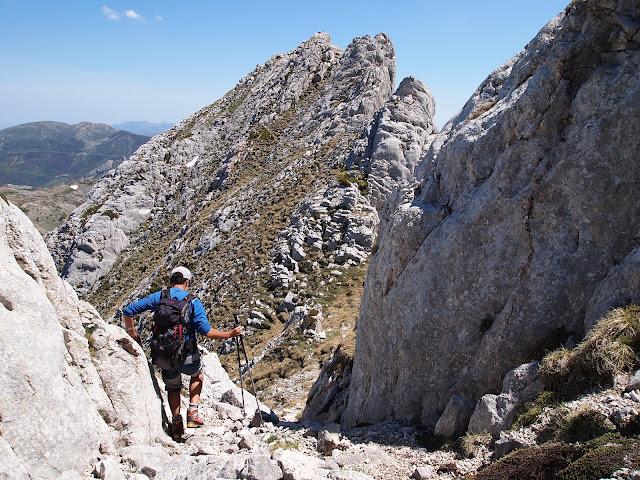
[{"x": 160, "y": 60}]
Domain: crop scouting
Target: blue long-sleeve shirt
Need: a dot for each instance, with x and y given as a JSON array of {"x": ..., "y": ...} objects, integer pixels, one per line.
[{"x": 198, "y": 320}]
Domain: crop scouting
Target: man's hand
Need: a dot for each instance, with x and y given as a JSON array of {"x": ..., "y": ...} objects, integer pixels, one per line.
[
  {"x": 236, "y": 332},
  {"x": 130, "y": 327},
  {"x": 223, "y": 335}
]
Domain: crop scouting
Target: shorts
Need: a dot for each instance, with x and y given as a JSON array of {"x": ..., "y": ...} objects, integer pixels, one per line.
[{"x": 172, "y": 378}]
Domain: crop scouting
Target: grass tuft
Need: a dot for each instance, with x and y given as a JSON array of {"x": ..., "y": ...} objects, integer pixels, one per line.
[
  {"x": 89, "y": 212},
  {"x": 471, "y": 444},
  {"x": 88, "y": 333},
  {"x": 609, "y": 349},
  {"x": 533, "y": 463},
  {"x": 112, "y": 215},
  {"x": 346, "y": 179},
  {"x": 263, "y": 134}
]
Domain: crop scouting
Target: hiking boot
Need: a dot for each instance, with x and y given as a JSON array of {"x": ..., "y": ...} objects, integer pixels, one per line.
[
  {"x": 193, "y": 419},
  {"x": 177, "y": 427}
]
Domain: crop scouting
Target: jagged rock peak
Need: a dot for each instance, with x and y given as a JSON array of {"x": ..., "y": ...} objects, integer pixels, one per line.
[
  {"x": 391, "y": 148},
  {"x": 510, "y": 237}
]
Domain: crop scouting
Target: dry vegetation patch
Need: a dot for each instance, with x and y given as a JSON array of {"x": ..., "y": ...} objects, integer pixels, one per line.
[{"x": 608, "y": 349}]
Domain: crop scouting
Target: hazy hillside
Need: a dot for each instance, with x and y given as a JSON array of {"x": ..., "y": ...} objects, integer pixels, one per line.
[
  {"x": 39, "y": 153},
  {"x": 144, "y": 128}
]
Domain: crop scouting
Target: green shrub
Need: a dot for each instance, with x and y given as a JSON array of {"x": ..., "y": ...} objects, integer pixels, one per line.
[
  {"x": 603, "y": 457},
  {"x": 110, "y": 214},
  {"x": 262, "y": 133},
  {"x": 530, "y": 411},
  {"x": 610, "y": 348},
  {"x": 345, "y": 179},
  {"x": 583, "y": 425},
  {"x": 89, "y": 212},
  {"x": 533, "y": 463}
]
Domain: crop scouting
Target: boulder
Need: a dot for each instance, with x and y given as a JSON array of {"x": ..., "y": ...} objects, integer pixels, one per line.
[
  {"x": 329, "y": 438},
  {"x": 634, "y": 382},
  {"x": 295, "y": 465},
  {"x": 453, "y": 421},
  {"x": 424, "y": 472},
  {"x": 109, "y": 469},
  {"x": 149, "y": 460},
  {"x": 247, "y": 440},
  {"x": 288, "y": 304},
  {"x": 260, "y": 467},
  {"x": 264, "y": 415},
  {"x": 228, "y": 411},
  {"x": 495, "y": 413}
]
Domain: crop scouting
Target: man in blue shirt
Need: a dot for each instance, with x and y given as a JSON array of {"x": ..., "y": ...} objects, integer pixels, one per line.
[{"x": 198, "y": 322}]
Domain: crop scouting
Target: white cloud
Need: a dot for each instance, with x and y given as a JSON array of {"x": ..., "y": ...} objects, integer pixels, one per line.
[
  {"x": 109, "y": 13},
  {"x": 132, "y": 14},
  {"x": 158, "y": 18}
]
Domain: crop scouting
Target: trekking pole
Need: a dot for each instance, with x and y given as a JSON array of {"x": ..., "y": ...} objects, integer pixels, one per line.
[
  {"x": 253, "y": 386},
  {"x": 235, "y": 339}
]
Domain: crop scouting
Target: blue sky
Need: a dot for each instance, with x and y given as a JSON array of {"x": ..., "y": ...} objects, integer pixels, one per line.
[{"x": 111, "y": 61}]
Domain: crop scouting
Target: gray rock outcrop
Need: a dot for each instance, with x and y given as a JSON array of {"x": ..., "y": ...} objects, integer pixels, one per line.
[
  {"x": 329, "y": 394},
  {"x": 70, "y": 384},
  {"x": 77, "y": 399},
  {"x": 527, "y": 203}
]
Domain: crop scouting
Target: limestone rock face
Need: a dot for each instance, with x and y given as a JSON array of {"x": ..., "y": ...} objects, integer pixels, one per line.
[
  {"x": 620, "y": 287},
  {"x": 527, "y": 204},
  {"x": 70, "y": 384}
]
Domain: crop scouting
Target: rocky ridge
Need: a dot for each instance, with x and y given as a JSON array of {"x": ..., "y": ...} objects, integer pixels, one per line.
[{"x": 289, "y": 117}]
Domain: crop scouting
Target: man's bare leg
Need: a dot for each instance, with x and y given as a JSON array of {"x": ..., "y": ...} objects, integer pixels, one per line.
[
  {"x": 195, "y": 388},
  {"x": 174, "y": 402}
]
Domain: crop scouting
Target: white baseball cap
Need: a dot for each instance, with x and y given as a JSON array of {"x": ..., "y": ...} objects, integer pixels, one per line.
[{"x": 186, "y": 274}]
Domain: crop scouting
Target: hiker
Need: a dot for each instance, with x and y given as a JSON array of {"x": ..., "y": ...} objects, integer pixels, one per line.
[{"x": 174, "y": 349}]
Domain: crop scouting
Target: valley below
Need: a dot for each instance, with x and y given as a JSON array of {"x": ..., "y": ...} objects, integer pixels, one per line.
[{"x": 47, "y": 207}]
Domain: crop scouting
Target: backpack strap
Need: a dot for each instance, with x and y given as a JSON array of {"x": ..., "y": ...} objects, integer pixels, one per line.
[
  {"x": 164, "y": 293},
  {"x": 188, "y": 306}
]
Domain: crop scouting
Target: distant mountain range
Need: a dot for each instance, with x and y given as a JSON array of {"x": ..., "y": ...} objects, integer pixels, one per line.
[
  {"x": 39, "y": 153},
  {"x": 144, "y": 128}
]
